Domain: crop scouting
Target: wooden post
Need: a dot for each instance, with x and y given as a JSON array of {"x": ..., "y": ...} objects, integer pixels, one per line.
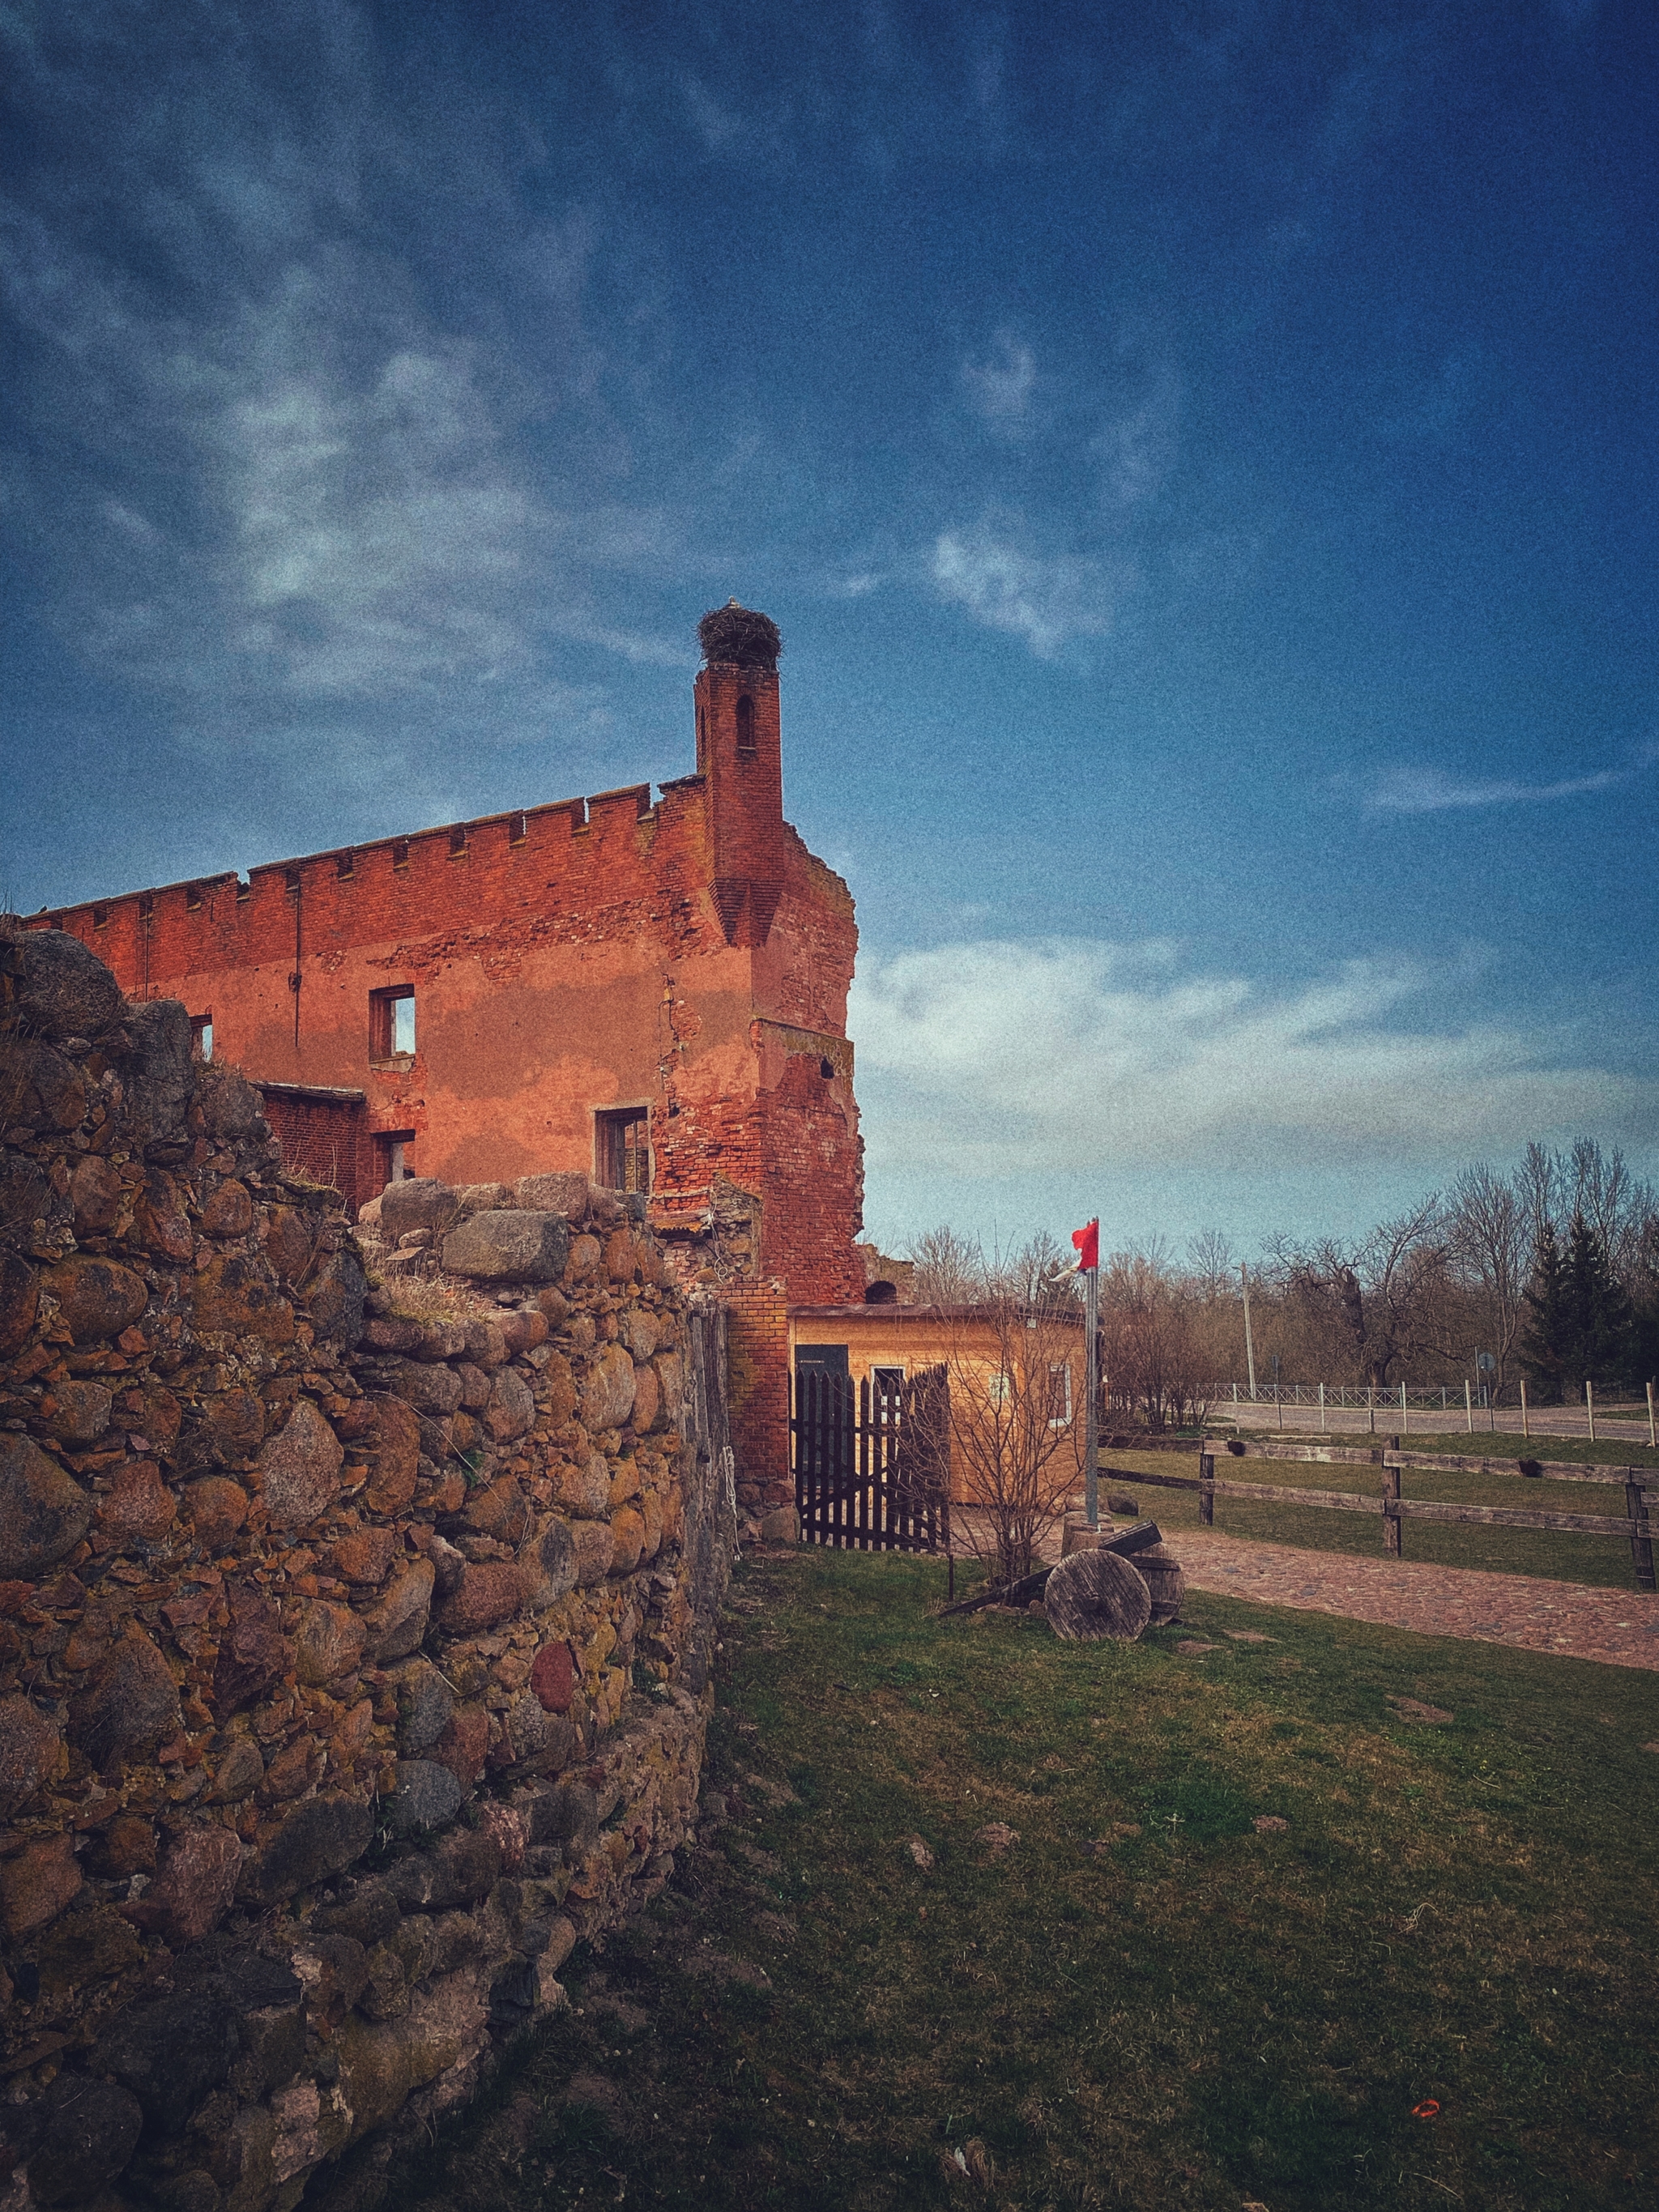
[
  {"x": 1526, "y": 1417},
  {"x": 1590, "y": 1406},
  {"x": 1653, "y": 1440},
  {"x": 1206, "y": 1491},
  {"x": 1468, "y": 1406},
  {"x": 1394, "y": 1528},
  {"x": 1641, "y": 1546}
]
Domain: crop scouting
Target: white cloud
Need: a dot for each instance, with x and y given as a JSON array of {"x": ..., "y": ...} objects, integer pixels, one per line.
[
  {"x": 1000, "y": 388},
  {"x": 1047, "y": 599},
  {"x": 999, "y": 1058},
  {"x": 1431, "y": 791}
]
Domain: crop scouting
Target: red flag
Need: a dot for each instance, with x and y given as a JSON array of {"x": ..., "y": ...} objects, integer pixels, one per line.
[{"x": 1088, "y": 1246}]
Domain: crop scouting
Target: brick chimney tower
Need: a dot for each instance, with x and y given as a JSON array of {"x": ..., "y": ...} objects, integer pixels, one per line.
[{"x": 739, "y": 752}]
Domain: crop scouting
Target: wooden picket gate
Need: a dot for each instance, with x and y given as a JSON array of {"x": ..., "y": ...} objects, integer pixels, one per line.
[{"x": 872, "y": 1464}]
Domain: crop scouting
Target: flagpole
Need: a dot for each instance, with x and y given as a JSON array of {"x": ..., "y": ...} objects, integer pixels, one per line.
[{"x": 1091, "y": 1423}]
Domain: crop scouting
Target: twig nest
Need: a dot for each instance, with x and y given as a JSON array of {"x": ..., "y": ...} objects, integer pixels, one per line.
[{"x": 738, "y": 633}]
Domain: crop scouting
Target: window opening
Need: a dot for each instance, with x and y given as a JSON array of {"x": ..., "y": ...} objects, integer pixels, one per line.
[
  {"x": 345, "y": 865},
  {"x": 201, "y": 1036},
  {"x": 457, "y": 842},
  {"x": 1060, "y": 1393},
  {"x": 518, "y": 829},
  {"x": 396, "y": 1150},
  {"x": 400, "y": 854},
  {"x": 100, "y": 917},
  {"x": 624, "y": 1148},
  {"x": 294, "y": 883},
  {"x": 193, "y": 899},
  {"x": 392, "y": 1023},
  {"x": 745, "y": 724}
]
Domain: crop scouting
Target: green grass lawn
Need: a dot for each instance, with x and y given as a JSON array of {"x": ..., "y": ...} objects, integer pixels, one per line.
[
  {"x": 1144, "y": 2001},
  {"x": 1565, "y": 1555}
]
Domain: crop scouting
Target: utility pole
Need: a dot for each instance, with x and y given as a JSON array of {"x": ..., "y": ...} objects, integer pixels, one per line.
[{"x": 1249, "y": 1342}]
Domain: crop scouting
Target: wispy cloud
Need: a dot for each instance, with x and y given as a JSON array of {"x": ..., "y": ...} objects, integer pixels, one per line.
[
  {"x": 1047, "y": 599},
  {"x": 1431, "y": 791},
  {"x": 306, "y": 502},
  {"x": 997, "y": 1058},
  {"x": 999, "y": 385}
]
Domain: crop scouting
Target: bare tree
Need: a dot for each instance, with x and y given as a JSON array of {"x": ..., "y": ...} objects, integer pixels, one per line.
[
  {"x": 950, "y": 1270},
  {"x": 1041, "y": 1271},
  {"x": 1151, "y": 1354},
  {"x": 1381, "y": 1300},
  {"x": 1489, "y": 1245},
  {"x": 1212, "y": 1263},
  {"x": 1015, "y": 1415}
]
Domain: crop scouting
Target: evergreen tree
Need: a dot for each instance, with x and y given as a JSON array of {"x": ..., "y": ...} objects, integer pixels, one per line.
[
  {"x": 1541, "y": 1348},
  {"x": 1581, "y": 1329}
]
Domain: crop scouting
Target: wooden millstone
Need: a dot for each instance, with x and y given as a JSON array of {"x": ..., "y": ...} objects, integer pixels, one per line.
[
  {"x": 1166, "y": 1585},
  {"x": 1093, "y": 1594}
]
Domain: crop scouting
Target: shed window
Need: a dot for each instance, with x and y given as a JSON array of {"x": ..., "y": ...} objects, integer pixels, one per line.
[
  {"x": 1060, "y": 1395},
  {"x": 622, "y": 1148}
]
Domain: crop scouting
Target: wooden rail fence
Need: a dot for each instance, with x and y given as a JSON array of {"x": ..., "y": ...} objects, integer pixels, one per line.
[{"x": 1639, "y": 1484}]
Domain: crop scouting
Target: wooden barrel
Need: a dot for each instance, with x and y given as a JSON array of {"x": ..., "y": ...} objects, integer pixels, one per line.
[{"x": 1166, "y": 1585}]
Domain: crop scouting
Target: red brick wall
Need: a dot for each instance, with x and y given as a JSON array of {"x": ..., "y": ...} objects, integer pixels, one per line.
[
  {"x": 327, "y": 1141},
  {"x": 690, "y": 957}
]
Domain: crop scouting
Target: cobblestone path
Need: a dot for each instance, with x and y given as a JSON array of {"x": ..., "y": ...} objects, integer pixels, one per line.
[{"x": 1619, "y": 1627}]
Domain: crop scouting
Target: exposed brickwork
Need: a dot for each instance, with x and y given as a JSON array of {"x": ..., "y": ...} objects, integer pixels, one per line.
[{"x": 690, "y": 957}]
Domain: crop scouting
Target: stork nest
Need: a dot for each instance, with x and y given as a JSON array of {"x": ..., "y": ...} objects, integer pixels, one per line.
[{"x": 738, "y": 633}]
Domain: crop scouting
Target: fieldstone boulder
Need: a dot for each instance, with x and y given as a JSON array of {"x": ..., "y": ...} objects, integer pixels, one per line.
[
  {"x": 96, "y": 1195},
  {"x": 565, "y": 1194},
  {"x": 20, "y": 1300},
  {"x": 160, "y": 1075},
  {"x": 253, "y": 1653},
  {"x": 60, "y": 987},
  {"x": 41, "y": 1089},
  {"x": 547, "y": 1563},
  {"x": 509, "y": 1247},
  {"x": 553, "y": 1678},
  {"x": 398, "y": 1623},
  {"x": 425, "y": 1704},
  {"x": 31, "y": 1751},
  {"x": 97, "y": 1298},
  {"x": 37, "y": 1885},
  {"x": 44, "y": 1511},
  {"x": 607, "y": 1396},
  {"x": 317, "y": 1839},
  {"x": 82, "y": 1414},
  {"x": 129, "y": 1704},
  {"x": 170, "y": 2054},
  {"x": 301, "y": 1468},
  {"x": 215, "y": 1508},
  {"x": 194, "y": 1888},
  {"x": 330, "y": 1643},
  {"x": 487, "y": 1594},
  {"x": 424, "y": 1796},
  {"x": 335, "y": 1305},
  {"x": 84, "y": 2131},
  {"x": 429, "y": 1386},
  {"x": 511, "y": 1407},
  {"x": 420, "y": 1202},
  {"x": 138, "y": 1510},
  {"x": 231, "y": 1107},
  {"x": 239, "y": 1295}
]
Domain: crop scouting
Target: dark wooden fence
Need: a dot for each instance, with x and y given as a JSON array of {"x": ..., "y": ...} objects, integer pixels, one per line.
[
  {"x": 871, "y": 1462},
  {"x": 1639, "y": 1484}
]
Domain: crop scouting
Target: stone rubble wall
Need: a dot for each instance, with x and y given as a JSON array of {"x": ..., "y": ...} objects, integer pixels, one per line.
[{"x": 356, "y": 1604}]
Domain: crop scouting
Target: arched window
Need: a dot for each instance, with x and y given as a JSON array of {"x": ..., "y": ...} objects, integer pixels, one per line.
[{"x": 745, "y": 724}]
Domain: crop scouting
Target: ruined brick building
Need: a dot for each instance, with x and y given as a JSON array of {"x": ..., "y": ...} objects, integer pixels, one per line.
[{"x": 653, "y": 994}]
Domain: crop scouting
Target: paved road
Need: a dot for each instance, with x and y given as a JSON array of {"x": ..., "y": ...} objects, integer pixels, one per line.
[{"x": 1619, "y": 1627}]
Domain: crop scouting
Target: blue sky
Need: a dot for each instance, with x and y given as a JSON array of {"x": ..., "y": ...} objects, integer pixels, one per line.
[{"x": 1202, "y": 459}]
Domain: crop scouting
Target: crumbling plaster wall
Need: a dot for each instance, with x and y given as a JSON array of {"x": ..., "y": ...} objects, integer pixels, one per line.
[{"x": 353, "y": 1660}]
